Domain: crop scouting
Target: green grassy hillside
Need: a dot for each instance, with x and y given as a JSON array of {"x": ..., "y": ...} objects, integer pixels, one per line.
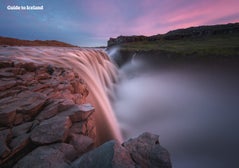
[{"x": 221, "y": 45}]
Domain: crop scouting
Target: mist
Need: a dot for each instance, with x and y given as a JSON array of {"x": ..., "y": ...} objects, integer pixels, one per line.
[{"x": 194, "y": 109}]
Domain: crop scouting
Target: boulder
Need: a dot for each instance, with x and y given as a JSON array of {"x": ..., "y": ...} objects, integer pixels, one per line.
[
  {"x": 109, "y": 155},
  {"x": 146, "y": 151},
  {"x": 52, "y": 130},
  {"x": 52, "y": 156}
]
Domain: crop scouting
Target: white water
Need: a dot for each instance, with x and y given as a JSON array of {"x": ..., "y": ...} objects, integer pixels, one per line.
[
  {"x": 93, "y": 66},
  {"x": 194, "y": 109}
]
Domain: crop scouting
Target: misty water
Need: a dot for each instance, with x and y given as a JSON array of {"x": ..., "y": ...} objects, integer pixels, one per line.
[{"x": 194, "y": 109}]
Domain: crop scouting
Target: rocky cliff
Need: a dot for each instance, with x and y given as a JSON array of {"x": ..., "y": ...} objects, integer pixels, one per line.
[
  {"x": 46, "y": 122},
  {"x": 192, "y": 32}
]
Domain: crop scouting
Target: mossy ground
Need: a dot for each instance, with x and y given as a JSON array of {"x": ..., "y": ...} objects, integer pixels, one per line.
[{"x": 221, "y": 45}]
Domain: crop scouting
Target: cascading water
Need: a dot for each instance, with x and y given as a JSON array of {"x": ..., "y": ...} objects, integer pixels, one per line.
[{"x": 93, "y": 66}]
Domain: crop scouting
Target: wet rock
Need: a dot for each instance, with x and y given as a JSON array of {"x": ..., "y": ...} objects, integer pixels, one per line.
[
  {"x": 109, "y": 155},
  {"x": 5, "y": 136},
  {"x": 78, "y": 112},
  {"x": 81, "y": 143},
  {"x": 147, "y": 152},
  {"x": 52, "y": 130},
  {"x": 52, "y": 156}
]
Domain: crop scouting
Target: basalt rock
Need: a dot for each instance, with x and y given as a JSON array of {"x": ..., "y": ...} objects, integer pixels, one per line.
[
  {"x": 38, "y": 105},
  {"x": 144, "y": 151},
  {"x": 109, "y": 155}
]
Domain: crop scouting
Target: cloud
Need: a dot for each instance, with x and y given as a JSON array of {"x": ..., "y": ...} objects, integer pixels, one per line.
[{"x": 103, "y": 19}]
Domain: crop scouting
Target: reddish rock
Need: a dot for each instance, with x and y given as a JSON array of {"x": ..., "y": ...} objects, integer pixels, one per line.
[
  {"x": 147, "y": 152},
  {"x": 52, "y": 156},
  {"x": 81, "y": 143},
  {"x": 30, "y": 103},
  {"x": 49, "y": 111},
  {"x": 109, "y": 155},
  {"x": 79, "y": 128},
  {"x": 52, "y": 130}
]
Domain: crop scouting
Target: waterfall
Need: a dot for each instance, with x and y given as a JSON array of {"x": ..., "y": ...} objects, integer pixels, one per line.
[{"x": 94, "y": 66}]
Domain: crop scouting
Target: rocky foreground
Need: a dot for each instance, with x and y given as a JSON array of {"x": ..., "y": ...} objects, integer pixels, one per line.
[{"x": 46, "y": 122}]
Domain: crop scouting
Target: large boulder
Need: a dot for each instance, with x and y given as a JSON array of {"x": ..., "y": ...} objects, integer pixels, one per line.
[
  {"x": 146, "y": 151},
  {"x": 109, "y": 155}
]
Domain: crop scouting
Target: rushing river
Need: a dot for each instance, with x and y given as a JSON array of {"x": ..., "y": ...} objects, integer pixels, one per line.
[{"x": 194, "y": 109}]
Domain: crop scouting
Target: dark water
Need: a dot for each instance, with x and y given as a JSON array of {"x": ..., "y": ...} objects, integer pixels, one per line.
[{"x": 193, "y": 107}]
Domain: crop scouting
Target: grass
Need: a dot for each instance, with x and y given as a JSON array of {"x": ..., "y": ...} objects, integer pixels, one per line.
[{"x": 221, "y": 45}]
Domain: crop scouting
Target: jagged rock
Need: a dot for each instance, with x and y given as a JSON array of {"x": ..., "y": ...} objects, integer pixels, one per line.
[
  {"x": 86, "y": 127},
  {"x": 30, "y": 103},
  {"x": 109, "y": 155},
  {"x": 78, "y": 112},
  {"x": 52, "y": 130},
  {"x": 147, "y": 152},
  {"x": 81, "y": 143},
  {"x": 5, "y": 136},
  {"x": 49, "y": 111},
  {"x": 26, "y": 103},
  {"x": 52, "y": 156}
]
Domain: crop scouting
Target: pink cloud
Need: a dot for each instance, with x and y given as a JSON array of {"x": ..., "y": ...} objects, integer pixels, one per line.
[{"x": 155, "y": 16}]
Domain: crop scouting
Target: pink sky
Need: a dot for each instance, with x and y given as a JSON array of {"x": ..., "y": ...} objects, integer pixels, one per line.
[{"x": 93, "y": 22}]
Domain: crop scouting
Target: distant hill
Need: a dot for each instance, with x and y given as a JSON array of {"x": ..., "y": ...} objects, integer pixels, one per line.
[
  {"x": 203, "y": 43},
  {"x": 192, "y": 32},
  {"x": 17, "y": 42}
]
